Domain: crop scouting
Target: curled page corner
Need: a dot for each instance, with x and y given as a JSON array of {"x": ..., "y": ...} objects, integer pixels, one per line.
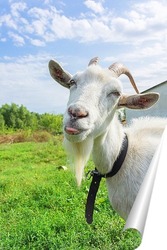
[{"x": 147, "y": 208}]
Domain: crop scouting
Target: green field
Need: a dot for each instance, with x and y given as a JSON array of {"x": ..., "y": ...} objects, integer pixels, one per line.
[{"x": 42, "y": 207}]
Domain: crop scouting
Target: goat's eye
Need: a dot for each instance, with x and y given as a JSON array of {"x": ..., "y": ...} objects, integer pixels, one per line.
[
  {"x": 72, "y": 82},
  {"x": 114, "y": 93}
]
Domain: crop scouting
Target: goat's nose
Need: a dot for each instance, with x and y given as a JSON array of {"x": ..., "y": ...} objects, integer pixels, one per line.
[{"x": 77, "y": 112}]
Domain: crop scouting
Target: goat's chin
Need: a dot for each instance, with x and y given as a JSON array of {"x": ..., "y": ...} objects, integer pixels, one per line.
[
  {"x": 80, "y": 152},
  {"x": 77, "y": 137}
]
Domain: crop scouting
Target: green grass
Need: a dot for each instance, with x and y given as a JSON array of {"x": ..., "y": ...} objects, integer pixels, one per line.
[{"x": 42, "y": 207}]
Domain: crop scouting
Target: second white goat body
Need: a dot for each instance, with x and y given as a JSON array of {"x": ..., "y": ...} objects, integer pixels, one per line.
[{"x": 91, "y": 126}]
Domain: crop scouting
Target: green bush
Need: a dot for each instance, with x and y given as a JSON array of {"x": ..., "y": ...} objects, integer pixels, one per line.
[
  {"x": 14, "y": 117},
  {"x": 51, "y": 123}
]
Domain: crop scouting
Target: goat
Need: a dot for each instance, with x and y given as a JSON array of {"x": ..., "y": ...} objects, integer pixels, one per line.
[{"x": 91, "y": 125}]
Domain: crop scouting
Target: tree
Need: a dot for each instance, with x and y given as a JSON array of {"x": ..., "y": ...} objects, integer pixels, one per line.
[
  {"x": 19, "y": 117},
  {"x": 51, "y": 123},
  {"x": 2, "y": 123},
  {"x": 5, "y": 112}
]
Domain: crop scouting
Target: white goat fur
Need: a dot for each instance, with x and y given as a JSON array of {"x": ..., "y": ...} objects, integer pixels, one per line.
[{"x": 101, "y": 133}]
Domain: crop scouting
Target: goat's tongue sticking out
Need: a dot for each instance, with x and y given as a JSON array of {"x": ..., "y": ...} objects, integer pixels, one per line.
[{"x": 72, "y": 131}]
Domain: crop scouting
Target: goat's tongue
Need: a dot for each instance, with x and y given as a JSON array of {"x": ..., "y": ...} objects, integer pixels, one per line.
[{"x": 72, "y": 131}]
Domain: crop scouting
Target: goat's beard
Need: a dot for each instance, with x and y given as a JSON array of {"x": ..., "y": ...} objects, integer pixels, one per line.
[{"x": 80, "y": 153}]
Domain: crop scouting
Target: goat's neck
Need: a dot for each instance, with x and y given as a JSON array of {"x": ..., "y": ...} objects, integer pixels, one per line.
[{"x": 107, "y": 146}]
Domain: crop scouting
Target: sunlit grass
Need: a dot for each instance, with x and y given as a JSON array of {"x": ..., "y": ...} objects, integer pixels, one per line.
[{"x": 42, "y": 207}]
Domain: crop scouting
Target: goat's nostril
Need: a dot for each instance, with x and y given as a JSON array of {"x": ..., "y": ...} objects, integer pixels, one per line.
[
  {"x": 72, "y": 112},
  {"x": 82, "y": 114},
  {"x": 77, "y": 112}
]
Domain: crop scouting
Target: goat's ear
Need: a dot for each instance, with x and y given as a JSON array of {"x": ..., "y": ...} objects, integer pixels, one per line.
[
  {"x": 139, "y": 101},
  {"x": 59, "y": 74}
]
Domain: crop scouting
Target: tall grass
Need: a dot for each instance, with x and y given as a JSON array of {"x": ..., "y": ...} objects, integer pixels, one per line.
[
  {"x": 25, "y": 136},
  {"x": 42, "y": 207}
]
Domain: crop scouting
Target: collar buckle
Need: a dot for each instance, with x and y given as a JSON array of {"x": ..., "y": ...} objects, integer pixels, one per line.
[{"x": 94, "y": 172}]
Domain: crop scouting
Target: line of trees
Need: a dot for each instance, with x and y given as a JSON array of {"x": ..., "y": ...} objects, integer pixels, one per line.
[{"x": 15, "y": 117}]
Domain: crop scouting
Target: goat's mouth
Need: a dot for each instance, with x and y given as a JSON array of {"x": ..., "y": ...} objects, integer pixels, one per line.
[
  {"x": 72, "y": 131},
  {"x": 75, "y": 134}
]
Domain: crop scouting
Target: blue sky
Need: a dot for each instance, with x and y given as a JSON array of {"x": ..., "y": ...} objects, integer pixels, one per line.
[{"x": 72, "y": 32}]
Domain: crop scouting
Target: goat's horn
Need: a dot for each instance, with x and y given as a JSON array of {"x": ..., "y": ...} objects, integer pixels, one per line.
[
  {"x": 119, "y": 69},
  {"x": 93, "y": 61}
]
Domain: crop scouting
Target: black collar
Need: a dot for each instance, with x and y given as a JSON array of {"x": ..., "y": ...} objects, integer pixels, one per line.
[{"x": 97, "y": 178}]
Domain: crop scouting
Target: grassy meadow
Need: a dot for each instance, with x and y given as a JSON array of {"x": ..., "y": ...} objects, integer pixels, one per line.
[{"x": 42, "y": 207}]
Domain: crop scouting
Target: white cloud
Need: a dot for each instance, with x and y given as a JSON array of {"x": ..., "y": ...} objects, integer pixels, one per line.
[
  {"x": 18, "y": 7},
  {"x": 37, "y": 42},
  {"x": 18, "y": 40},
  {"x": 8, "y": 21},
  {"x": 26, "y": 80},
  {"x": 3, "y": 39},
  {"x": 141, "y": 53},
  {"x": 62, "y": 27},
  {"x": 39, "y": 27},
  {"x": 136, "y": 36},
  {"x": 95, "y": 6},
  {"x": 140, "y": 23}
]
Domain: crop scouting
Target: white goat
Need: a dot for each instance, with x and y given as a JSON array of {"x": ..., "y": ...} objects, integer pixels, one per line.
[{"x": 91, "y": 125}]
